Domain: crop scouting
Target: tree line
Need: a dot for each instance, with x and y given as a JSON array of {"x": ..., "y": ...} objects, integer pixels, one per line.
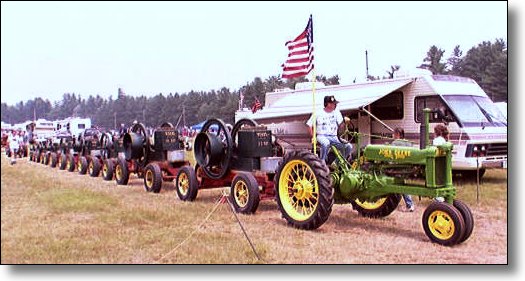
[{"x": 485, "y": 63}]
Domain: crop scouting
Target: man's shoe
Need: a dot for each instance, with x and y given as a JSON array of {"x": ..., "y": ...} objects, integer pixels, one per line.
[{"x": 412, "y": 209}]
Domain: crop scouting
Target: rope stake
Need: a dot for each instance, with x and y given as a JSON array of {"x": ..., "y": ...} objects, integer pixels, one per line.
[{"x": 223, "y": 199}]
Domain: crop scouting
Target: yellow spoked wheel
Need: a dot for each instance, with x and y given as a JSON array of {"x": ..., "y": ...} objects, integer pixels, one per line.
[
  {"x": 107, "y": 170},
  {"x": 443, "y": 224},
  {"x": 118, "y": 172},
  {"x": 244, "y": 193},
  {"x": 94, "y": 167},
  {"x": 82, "y": 165},
  {"x": 304, "y": 194},
  {"x": 153, "y": 178},
  {"x": 186, "y": 184},
  {"x": 121, "y": 172},
  {"x": 381, "y": 207},
  {"x": 371, "y": 205},
  {"x": 70, "y": 163},
  {"x": 148, "y": 179},
  {"x": 90, "y": 167},
  {"x": 241, "y": 195},
  {"x": 299, "y": 189}
]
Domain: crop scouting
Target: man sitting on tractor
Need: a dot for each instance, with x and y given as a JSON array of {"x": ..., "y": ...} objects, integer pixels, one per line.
[{"x": 328, "y": 121}]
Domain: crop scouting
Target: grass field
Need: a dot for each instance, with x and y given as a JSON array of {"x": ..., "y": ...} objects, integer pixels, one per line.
[{"x": 57, "y": 217}]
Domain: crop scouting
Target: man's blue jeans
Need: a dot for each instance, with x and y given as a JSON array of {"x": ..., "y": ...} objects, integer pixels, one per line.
[{"x": 326, "y": 141}]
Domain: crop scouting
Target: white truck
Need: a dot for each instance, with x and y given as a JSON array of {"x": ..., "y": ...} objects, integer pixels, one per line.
[{"x": 478, "y": 129}]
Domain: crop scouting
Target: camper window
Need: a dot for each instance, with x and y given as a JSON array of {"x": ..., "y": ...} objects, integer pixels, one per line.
[
  {"x": 441, "y": 112},
  {"x": 389, "y": 107}
]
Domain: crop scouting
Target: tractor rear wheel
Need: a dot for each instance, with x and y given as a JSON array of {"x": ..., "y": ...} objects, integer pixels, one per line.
[
  {"x": 303, "y": 189},
  {"x": 121, "y": 172},
  {"x": 186, "y": 184},
  {"x": 107, "y": 170},
  {"x": 82, "y": 165},
  {"x": 466, "y": 213},
  {"x": 244, "y": 193},
  {"x": 381, "y": 207},
  {"x": 152, "y": 178},
  {"x": 443, "y": 224},
  {"x": 94, "y": 167}
]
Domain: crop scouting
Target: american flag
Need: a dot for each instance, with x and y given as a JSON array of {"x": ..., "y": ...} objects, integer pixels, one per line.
[
  {"x": 300, "y": 56},
  {"x": 256, "y": 105}
]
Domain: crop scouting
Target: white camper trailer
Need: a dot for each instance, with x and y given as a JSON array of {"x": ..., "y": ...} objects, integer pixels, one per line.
[
  {"x": 74, "y": 126},
  {"x": 477, "y": 127}
]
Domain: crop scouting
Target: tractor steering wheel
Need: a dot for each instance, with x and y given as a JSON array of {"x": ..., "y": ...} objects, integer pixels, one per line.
[{"x": 346, "y": 133}]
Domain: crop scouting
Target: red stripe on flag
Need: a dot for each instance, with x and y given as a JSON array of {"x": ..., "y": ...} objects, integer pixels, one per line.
[{"x": 300, "y": 55}]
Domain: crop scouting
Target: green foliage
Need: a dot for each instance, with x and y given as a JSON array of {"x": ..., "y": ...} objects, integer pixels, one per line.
[
  {"x": 487, "y": 65},
  {"x": 433, "y": 61}
]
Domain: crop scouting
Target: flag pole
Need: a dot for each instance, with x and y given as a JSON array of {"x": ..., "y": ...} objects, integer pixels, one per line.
[{"x": 314, "y": 118}]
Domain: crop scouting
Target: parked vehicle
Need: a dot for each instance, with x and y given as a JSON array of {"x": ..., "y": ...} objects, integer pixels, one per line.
[{"x": 477, "y": 127}]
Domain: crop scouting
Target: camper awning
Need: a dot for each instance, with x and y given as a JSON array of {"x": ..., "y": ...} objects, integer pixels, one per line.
[{"x": 351, "y": 96}]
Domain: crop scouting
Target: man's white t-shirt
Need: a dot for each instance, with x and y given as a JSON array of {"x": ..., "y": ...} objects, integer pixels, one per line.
[
  {"x": 14, "y": 142},
  {"x": 327, "y": 123}
]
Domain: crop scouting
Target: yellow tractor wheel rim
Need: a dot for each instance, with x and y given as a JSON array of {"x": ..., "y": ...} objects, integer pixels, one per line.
[
  {"x": 149, "y": 178},
  {"x": 118, "y": 172},
  {"x": 441, "y": 225},
  {"x": 298, "y": 190},
  {"x": 240, "y": 193},
  {"x": 183, "y": 183},
  {"x": 371, "y": 205},
  {"x": 79, "y": 166},
  {"x": 90, "y": 167},
  {"x": 105, "y": 170},
  {"x": 68, "y": 164}
]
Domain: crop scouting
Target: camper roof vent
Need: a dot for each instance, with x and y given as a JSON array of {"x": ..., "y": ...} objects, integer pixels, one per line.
[{"x": 308, "y": 85}]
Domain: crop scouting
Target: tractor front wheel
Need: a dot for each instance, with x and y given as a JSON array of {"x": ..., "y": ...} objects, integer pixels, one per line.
[
  {"x": 152, "y": 178},
  {"x": 121, "y": 172},
  {"x": 70, "y": 163},
  {"x": 94, "y": 167},
  {"x": 186, "y": 184},
  {"x": 62, "y": 161},
  {"x": 443, "y": 224},
  {"x": 53, "y": 161},
  {"x": 379, "y": 208},
  {"x": 466, "y": 213},
  {"x": 107, "y": 170},
  {"x": 244, "y": 193},
  {"x": 303, "y": 189},
  {"x": 82, "y": 165}
]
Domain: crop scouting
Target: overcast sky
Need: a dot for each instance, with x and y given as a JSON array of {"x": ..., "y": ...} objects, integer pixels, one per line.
[{"x": 52, "y": 48}]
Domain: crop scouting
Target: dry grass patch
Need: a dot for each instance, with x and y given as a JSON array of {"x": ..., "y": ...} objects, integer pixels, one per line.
[{"x": 52, "y": 216}]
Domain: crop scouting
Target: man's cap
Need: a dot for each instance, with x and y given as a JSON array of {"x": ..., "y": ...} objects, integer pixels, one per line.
[{"x": 328, "y": 99}]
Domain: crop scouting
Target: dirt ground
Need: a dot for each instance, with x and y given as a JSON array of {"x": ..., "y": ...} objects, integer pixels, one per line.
[{"x": 346, "y": 238}]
